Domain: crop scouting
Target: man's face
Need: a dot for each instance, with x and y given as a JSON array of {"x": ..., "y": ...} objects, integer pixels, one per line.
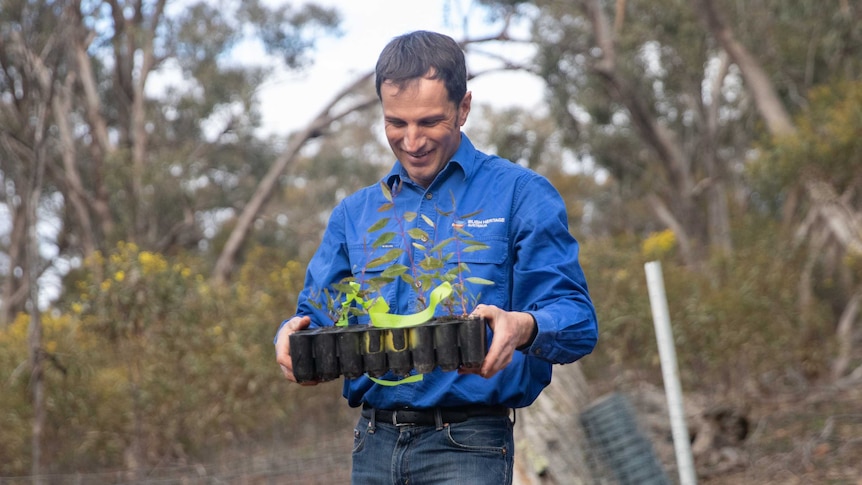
[{"x": 423, "y": 127}]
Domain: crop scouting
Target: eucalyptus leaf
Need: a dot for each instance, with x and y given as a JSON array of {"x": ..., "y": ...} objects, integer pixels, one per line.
[
  {"x": 390, "y": 256},
  {"x": 383, "y": 239},
  {"x": 386, "y": 192},
  {"x": 417, "y": 233},
  {"x": 394, "y": 271},
  {"x": 442, "y": 244},
  {"x": 380, "y": 224}
]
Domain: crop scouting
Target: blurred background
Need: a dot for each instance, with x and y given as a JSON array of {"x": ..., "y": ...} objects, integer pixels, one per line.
[{"x": 168, "y": 168}]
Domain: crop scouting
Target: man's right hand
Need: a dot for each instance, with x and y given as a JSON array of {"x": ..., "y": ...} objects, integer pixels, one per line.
[{"x": 282, "y": 346}]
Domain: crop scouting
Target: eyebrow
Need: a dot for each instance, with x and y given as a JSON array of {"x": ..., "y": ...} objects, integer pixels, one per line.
[{"x": 420, "y": 120}]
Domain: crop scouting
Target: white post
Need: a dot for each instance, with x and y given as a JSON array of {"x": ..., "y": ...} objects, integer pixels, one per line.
[{"x": 670, "y": 373}]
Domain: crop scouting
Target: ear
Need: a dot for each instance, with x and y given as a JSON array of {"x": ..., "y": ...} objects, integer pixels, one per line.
[{"x": 464, "y": 108}]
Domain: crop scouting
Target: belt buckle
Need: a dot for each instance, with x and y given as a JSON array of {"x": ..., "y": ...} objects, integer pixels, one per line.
[{"x": 395, "y": 419}]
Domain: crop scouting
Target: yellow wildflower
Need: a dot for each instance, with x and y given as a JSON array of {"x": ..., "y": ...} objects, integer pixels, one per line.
[{"x": 658, "y": 244}]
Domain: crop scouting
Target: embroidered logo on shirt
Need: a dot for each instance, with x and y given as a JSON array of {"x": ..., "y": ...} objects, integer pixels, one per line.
[{"x": 480, "y": 223}]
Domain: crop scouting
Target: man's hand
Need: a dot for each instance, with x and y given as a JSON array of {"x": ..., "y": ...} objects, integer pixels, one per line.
[
  {"x": 511, "y": 330},
  {"x": 282, "y": 346}
]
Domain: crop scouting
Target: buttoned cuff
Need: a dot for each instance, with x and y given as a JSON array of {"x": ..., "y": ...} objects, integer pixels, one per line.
[{"x": 526, "y": 346}]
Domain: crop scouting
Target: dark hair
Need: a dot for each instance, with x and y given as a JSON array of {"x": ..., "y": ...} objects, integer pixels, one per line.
[{"x": 412, "y": 55}]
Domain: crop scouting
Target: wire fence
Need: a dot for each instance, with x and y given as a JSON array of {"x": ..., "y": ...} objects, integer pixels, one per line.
[
  {"x": 613, "y": 445},
  {"x": 327, "y": 463}
]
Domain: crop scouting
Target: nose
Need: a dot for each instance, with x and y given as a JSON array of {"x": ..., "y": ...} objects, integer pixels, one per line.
[{"x": 413, "y": 138}]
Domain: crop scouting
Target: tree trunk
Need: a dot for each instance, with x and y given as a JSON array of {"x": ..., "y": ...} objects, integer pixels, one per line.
[
  {"x": 100, "y": 146},
  {"x": 716, "y": 191},
  {"x": 675, "y": 164},
  {"x": 757, "y": 81},
  {"x": 844, "y": 336},
  {"x": 16, "y": 285},
  {"x": 549, "y": 439},
  {"x": 37, "y": 382},
  {"x": 228, "y": 256}
]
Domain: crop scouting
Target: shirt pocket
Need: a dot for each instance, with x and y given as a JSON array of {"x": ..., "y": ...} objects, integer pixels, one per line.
[{"x": 489, "y": 264}]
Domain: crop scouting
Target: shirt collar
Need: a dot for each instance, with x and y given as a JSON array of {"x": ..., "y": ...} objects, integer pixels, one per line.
[{"x": 464, "y": 157}]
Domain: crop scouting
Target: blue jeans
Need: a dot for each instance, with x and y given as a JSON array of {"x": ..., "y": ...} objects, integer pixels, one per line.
[{"x": 477, "y": 451}]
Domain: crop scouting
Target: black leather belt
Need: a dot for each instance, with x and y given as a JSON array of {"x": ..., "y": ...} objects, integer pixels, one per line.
[{"x": 428, "y": 417}]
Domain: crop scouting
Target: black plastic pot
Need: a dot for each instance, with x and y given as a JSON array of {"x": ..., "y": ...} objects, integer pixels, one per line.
[
  {"x": 422, "y": 348},
  {"x": 471, "y": 342},
  {"x": 373, "y": 354},
  {"x": 302, "y": 355},
  {"x": 350, "y": 342},
  {"x": 326, "y": 354},
  {"x": 446, "y": 344},
  {"x": 323, "y": 354},
  {"x": 398, "y": 351}
]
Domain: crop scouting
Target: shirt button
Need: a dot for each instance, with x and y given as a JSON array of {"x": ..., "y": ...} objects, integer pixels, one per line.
[
  {"x": 538, "y": 351},
  {"x": 429, "y": 196}
]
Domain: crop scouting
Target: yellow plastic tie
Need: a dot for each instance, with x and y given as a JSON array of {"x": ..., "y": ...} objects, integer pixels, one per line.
[
  {"x": 388, "y": 320},
  {"x": 381, "y": 318},
  {"x": 406, "y": 380}
]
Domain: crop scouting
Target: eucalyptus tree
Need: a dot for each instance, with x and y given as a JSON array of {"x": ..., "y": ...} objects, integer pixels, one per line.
[
  {"x": 150, "y": 119},
  {"x": 92, "y": 149},
  {"x": 668, "y": 96}
]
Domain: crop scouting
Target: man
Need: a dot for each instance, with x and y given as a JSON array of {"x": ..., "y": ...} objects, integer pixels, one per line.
[{"x": 454, "y": 427}]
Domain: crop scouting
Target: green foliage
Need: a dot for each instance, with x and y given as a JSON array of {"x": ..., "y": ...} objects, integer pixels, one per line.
[
  {"x": 827, "y": 147},
  {"x": 441, "y": 261},
  {"x": 148, "y": 360},
  {"x": 735, "y": 322}
]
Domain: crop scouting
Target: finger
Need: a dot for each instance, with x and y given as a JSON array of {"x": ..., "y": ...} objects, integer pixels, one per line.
[
  {"x": 282, "y": 345},
  {"x": 489, "y": 364}
]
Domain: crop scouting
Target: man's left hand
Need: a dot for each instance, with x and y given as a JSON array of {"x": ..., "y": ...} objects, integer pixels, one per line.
[{"x": 511, "y": 330}]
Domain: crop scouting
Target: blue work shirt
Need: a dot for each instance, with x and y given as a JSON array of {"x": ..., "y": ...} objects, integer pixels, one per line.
[{"x": 531, "y": 258}]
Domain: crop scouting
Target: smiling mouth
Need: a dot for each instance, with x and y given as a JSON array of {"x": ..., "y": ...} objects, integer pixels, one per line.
[{"x": 419, "y": 155}]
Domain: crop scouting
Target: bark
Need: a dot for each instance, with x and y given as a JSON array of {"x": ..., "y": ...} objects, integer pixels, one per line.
[
  {"x": 844, "y": 336},
  {"x": 74, "y": 187},
  {"x": 31, "y": 200},
  {"x": 29, "y": 150},
  {"x": 716, "y": 192},
  {"x": 15, "y": 286},
  {"x": 549, "y": 440},
  {"x": 831, "y": 227},
  {"x": 757, "y": 81},
  {"x": 100, "y": 147}
]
